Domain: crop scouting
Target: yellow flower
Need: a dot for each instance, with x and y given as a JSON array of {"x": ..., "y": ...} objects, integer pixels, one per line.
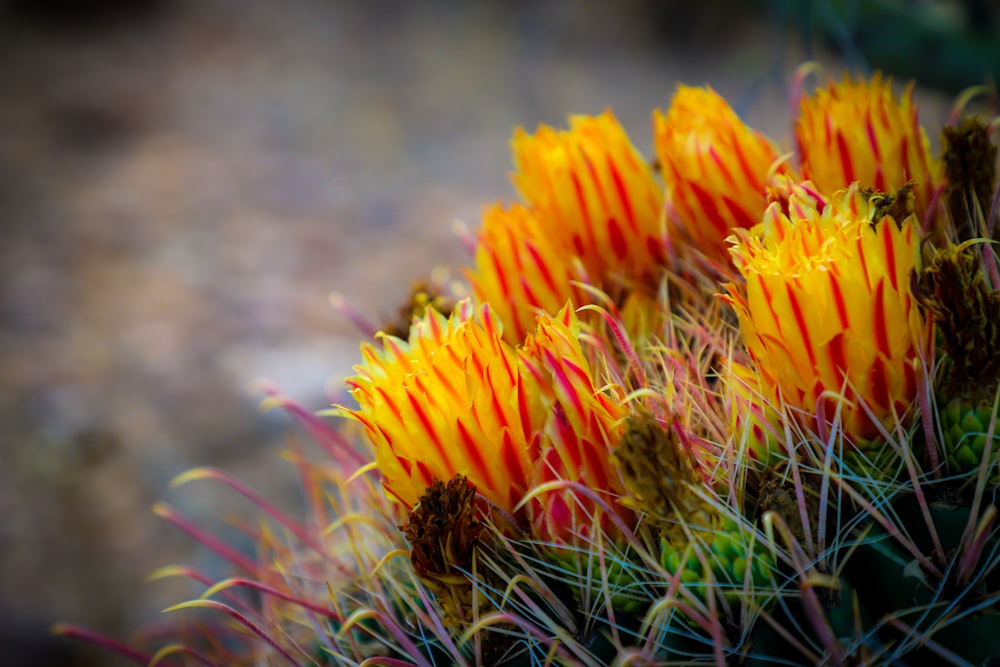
[
  {"x": 594, "y": 192},
  {"x": 582, "y": 424},
  {"x": 826, "y": 311},
  {"x": 458, "y": 400},
  {"x": 522, "y": 269},
  {"x": 715, "y": 167},
  {"x": 452, "y": 401},
  {"x": 592, "y": 216},
  {"x": 859, "y": 131},
  {"x": 752, "y": 419}
]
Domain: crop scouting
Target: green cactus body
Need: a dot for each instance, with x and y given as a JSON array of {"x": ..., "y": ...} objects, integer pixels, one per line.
[
  {"x": 625, "y": 581},
  {"x": 965, "y": 428},
  {"x": 877, "y": 461},
  {"x": 736, "y": 561},
  {"x": 975, "y": 637},
  {"x": 957, "y": 617}
]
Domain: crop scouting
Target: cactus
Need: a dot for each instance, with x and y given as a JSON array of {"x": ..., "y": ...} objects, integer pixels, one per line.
[{"x": 632, "y": 447}]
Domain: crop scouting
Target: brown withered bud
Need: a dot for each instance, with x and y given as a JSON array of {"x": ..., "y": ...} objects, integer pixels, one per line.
[
  {"x": 898, "y": 206},
  {"x": 658, "y": 473},
  {"x": 443, "y": 532},
  {"x": 779, "y": 494},
  {"x": 952, "y": 287},
  {"x": 423, "y": 295},
  {"x": 445, "y": 535},
  {"x": 970, "y": 160}
]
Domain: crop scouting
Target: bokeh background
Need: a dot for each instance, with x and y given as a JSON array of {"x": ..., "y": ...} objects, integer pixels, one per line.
[{"x": 184, "y": 182}]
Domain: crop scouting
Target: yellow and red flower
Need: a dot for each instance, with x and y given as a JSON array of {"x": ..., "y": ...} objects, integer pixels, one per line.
[
  {"x": 716, "y": 168},
  {"x": 753, "y": 420},
  {"x": 451, "y": 401},
  {"x": 593, "y": 215},
  {"x": 522, "y": 269},
  {"x": 826, "y": 311},
  {"x": 582, "y": 424},
  {"x": 594, "y": 192},
  {"x": 458, "y": 400},
  {"x": 859, "y": 131}
]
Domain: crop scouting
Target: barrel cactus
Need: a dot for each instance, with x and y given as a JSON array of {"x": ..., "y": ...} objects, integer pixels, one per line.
[{"x": 727, "y": 408}]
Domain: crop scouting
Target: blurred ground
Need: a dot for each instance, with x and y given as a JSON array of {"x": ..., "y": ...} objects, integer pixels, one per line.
[{"x": 183, "y": 182}]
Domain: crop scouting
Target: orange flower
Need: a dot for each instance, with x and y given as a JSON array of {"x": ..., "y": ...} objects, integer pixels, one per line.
[
  {"x": 594, "y": 192},
  {"x": 593, "y": 216},
  {"x": 522, "y": 269},
  {"x": 457, "y": 400},
  {"x": 859, "y": 131},
  {"x": 827, "y": 310},
  {"x": 715, "y": 167},
  {"x": 582, "y": 424},
  {"x": 752, "y": 419},
  {"x": 451, "y": 401}
]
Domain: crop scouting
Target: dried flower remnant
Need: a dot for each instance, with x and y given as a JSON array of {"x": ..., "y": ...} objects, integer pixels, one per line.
[
  {"x": 693, "y": 532},
  {"x": 656, "y": 470},
  {"x": 970, "y": 162},
  {"x": 953, "y": 289},
  {"x": 423, "y": 295},
  {"x": 444, "y": 532}
]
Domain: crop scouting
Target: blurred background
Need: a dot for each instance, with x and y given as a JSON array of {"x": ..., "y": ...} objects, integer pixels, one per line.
[{"x": 184, "y": 182}]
